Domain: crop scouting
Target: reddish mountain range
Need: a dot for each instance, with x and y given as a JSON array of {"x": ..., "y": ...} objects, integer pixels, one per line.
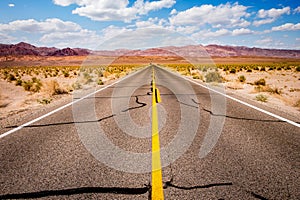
[{"x": 186, "y": 51}]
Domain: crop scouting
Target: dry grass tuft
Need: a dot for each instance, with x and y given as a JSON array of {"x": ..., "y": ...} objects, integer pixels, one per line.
[
  {"x": 262, "y": 98},
  {"x": 53, "y": 88},
  {"x": 297, "y": 104},
  {"x": 272, "y": 90}
]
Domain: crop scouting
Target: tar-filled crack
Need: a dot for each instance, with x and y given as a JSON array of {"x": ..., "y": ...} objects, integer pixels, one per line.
[
  {"x": 136, "y": 101},
  {"x": 232, "y": 117},
  {"x": 141, "y": 104},
  {"x": 77, "y": 191}
]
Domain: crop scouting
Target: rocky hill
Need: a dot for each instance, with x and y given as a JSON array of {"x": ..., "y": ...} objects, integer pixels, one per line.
[{"x": 23, "y": 48}]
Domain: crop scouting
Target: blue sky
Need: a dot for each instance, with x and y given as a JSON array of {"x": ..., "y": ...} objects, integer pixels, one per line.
[{"x": 138, "y": 24}]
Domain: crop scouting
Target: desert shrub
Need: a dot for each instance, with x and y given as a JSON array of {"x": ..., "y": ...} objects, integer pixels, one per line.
[
  {"x": 66, "y": 74},
  {"x": 100, "y": 82},
  {"x": 197, "y": 76},
  {"x": 54, "y": 88},
  {"x": 249, "y": 70},
  {"x": 232, "y": 71},
  {"x": 260, "y": 82},
  {"x": 226, "y": 68},
  {"x": 298, "y": 69},
  {"x": 100, "y": 73},
  {"x": 11, "y": 78},
  {"x": 242, "y": 78},
  {"x": 269, "y": 89},
  {"x": 19, "y": 82},
  {"x": 88, "y": 78},
  {"x": 287, "y": 68},
  {"x": 5, "y": 75},
  {"x": 27, "y": 85},
  {"x": 262, "y": 98},
  {"x": 76, "y": 86},
  {"x": 34, "y": 85},
  {"x": 44, "y": 101},
  {"x": 297, "y": 104},
  {"x": 262, "y": 69},
  {"x": 213, "y": 77},
  {"x": 273, "y": 90}
]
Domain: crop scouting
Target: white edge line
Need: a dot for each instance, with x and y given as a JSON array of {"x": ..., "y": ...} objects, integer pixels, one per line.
[
  {"x": 237, "y": 100},
  {"x": 64, "y": 106}
]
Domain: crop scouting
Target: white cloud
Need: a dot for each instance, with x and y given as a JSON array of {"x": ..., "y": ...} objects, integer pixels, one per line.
[
  {"x": 151, "y": 23},
  {"x": 173, "y": 12},
  {"x": 54, "y": 32},
  {"x": 224, "y": 15},
  {"x": 5, "y": 38},
  {"x": 264, "y": 41},
  {"x": 33, "y": 26},
  {"x": 268, "y": 42},
  {"x": 112, "y": 31},
  {"x": 80, "y": 38},
  {"x": 11, "y": 5},
  {"x": 187, "y": 29},
  {"x": 241, "y": 31},
  {"x": 210, "y": 34},
  {"x": 263, "y": 21},
  {"x": 141, "y": 37},
  {"x": 287, "y": 27},
  {"x": 297, "y": 10},
  {"x": 107, "y": 10},
  {"x": 269, "y": 16},
  {"x": 273, "y": 13}
]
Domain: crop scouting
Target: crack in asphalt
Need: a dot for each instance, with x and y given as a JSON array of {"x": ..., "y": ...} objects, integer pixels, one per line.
[
  {"x": 232, "y": 117},
  {"x": 137, "y": 101},
  {"x": 74, "y": 191},
  {"x": 115, "y": 190},
  {"x": 142, "y": 104}
]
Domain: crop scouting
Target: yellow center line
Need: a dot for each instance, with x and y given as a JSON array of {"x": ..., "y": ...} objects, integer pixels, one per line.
[{"x": 157, "y": 187}]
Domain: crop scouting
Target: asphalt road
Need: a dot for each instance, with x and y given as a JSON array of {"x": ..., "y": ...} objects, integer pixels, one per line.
[{"x": 212, "y": 147}]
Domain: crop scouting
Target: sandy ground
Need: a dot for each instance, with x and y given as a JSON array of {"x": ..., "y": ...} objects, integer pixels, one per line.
[{"x": 287, "y": 82}]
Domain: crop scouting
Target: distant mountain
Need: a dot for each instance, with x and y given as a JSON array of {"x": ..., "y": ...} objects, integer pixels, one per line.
[
  {"x": 186, "y": 51},
  {"x": 23, "y": 48}
]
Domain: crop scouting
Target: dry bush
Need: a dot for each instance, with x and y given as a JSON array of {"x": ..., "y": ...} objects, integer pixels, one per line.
[
  {"x": 213, "y": 77},
  {"x": 242, "y": 78},
  {"x": 34, "y": 85},
  {"x": 260, "y": 82},
  {"x": 297, "y": 104},
  {"x": 53, "y": 88},
  {"x": 262, "y": 98},
  {"x": 100, "y": 82},
  {"x": 269, "y": 89}
]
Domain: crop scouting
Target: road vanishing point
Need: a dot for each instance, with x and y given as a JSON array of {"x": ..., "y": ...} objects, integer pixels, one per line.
[{"x": 162, "y": 136}]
